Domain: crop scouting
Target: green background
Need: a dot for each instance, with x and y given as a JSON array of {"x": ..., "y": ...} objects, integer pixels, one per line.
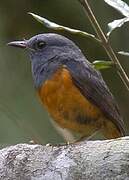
[{"x": 21, "y": 115}]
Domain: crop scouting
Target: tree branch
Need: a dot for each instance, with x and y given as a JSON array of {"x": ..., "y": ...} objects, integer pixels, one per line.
[{"x": 91, "y": 160}]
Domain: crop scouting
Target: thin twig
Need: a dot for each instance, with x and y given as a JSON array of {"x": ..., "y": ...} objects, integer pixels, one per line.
[{"x": 105, "y": 42}]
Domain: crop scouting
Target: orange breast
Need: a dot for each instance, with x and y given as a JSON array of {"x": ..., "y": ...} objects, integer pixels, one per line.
[{"x": 67, "y": 106}]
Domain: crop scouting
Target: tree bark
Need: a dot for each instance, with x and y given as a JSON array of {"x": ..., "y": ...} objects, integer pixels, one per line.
[{"x": 87, "y": 160}]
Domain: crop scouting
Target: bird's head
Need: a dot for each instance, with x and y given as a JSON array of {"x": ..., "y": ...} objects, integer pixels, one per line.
[{"x": 47, "y": 52}]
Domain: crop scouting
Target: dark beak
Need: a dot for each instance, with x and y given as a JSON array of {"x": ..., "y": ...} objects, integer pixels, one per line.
[{"x": 20, "y": 44}]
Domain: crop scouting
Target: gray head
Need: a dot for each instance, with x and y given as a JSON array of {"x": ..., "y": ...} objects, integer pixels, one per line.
[{"x": 48, "y": 52}]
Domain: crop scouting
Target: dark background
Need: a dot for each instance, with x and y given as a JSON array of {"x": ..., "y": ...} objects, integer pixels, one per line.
[{"x": 21, "y": 115}]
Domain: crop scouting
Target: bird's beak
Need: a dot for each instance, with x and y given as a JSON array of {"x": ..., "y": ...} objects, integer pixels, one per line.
[{"x": 20, "y": 44}]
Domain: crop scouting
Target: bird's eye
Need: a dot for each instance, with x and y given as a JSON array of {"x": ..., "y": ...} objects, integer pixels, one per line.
[{"x": 40, "y": 45}]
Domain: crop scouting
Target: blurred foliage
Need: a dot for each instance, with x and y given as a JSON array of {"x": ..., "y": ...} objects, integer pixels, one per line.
[
  {"x": 121, "y": 7},
  {"x": 21, "y": 115}
]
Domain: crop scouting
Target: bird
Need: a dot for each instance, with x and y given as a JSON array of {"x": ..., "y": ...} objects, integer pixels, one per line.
[{"x": 70, "y": 88}]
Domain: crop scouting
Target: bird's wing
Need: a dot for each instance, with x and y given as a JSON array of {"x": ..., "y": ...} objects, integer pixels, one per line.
[{"x": 92, "y": 86}]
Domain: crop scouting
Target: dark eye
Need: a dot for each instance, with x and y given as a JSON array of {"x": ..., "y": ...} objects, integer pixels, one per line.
[{"x": 40, "y": 45}]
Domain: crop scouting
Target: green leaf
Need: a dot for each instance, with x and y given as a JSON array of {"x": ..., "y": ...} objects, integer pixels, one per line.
[
  {"x": 120, "y": 6},
  {"x": 102, "y": 64},
  {"x": 116, "y": 23},
  {"x": 123, "y": 8},
  {"x": 54, "y": 26},
  {"x": 123, "y": 53}
]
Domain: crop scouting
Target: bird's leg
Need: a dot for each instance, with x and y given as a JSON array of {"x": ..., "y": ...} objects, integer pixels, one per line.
[{"x": 87, "y": 138}]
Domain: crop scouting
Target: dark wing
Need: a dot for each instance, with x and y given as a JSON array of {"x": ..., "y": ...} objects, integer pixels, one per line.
[{"x": 92, "y": 86}]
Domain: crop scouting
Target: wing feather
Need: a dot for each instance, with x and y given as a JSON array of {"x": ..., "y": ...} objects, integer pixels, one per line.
[{"x": 92, "y": 86}]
